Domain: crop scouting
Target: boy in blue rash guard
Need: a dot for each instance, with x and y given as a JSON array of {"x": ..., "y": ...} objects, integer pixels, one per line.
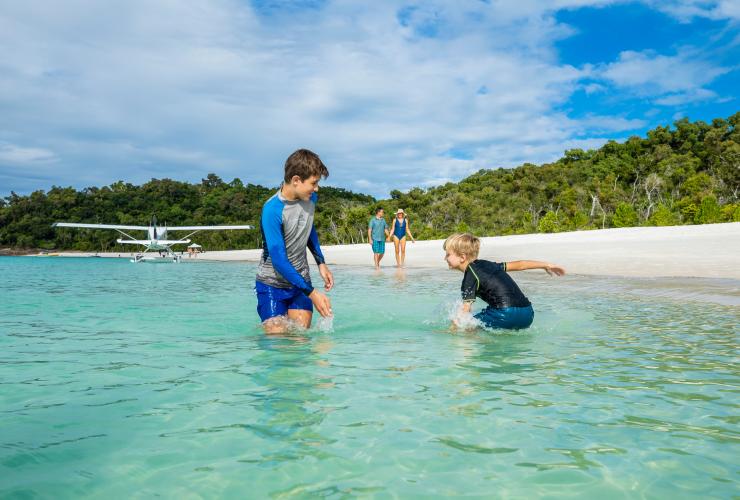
[
  {"x": 283, "y": 283},
  {"x": 507, "y": 307}
]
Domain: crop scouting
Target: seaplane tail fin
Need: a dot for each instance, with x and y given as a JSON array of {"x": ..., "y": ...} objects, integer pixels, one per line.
[
  {"x": 98, "y": 226},
  {"x": 205, "y": 228}
]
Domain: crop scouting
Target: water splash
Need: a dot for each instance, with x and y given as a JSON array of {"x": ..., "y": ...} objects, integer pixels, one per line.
[
  {"x": 323, "y": 324},
  {"x": 452, "y": 313}
]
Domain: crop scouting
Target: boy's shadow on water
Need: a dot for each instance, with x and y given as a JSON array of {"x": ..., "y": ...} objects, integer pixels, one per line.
[
  {"x": 288, "y": 397},
  {"x": 491, "y": 355}
]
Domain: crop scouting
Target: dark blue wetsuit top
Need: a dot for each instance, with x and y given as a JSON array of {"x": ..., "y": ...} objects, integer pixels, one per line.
[
  {"x": 490, "y": 281},
  {"x": 287, "y": 230}
]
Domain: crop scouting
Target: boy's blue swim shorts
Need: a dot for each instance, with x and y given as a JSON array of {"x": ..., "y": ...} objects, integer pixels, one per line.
[
  {"x": 272, "y": 302},
  {"x": 379, "y": 246},
  {"x": 512, "y": 318}
]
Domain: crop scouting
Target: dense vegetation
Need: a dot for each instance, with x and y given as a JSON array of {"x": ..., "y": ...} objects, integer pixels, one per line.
[
  {"x": 688, "y": 174},
  {"x": 25, "y": 221}
]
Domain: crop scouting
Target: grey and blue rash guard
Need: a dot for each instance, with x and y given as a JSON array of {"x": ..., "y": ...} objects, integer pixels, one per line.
[{"x": 287, "y": 230}]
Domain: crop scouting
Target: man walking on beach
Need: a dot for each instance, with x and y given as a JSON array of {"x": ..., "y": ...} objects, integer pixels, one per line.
[
  {"x": 377, "y": 233},
  {"x": 283, "y": 287}
]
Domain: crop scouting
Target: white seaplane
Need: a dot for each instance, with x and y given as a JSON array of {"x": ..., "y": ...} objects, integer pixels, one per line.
[{"x": 157, "y": 237}]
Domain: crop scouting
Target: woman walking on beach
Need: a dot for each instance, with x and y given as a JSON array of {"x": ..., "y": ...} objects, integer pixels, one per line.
[{"x": 399, "y": 230}]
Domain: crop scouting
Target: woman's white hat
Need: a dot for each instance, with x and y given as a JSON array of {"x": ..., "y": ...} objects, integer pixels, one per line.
[{"x": 400, "y": 211}]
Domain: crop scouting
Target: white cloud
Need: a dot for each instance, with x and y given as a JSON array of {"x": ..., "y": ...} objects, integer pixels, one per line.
[
  {"x": 693, "y": 95},
  {"x": 649, "y": 73},
  {"x": 686, "y": 10},
  {"x": 594, "y": 88},
  {"x": 728, "y": 9},
  {"x": 668, "y": 80},
  {"x": 180, "y": 89},
  {"x": 18, "y": 155}
]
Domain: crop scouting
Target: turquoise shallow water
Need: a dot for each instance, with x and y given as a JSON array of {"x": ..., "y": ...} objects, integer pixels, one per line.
[{"x": 121, "y": 380}]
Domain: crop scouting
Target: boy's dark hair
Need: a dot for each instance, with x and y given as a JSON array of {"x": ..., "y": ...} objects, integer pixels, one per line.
[
  {"x": 378, "y": 210},
  {"x": 304, "y": 164}
]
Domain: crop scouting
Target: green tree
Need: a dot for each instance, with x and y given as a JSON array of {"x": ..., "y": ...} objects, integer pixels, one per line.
[
  {"x": 662, "y": 216},
  {"x": 548, "y": 223},
  {"x": 624, "y": 216},
  {"x": 709, "y": 211}
]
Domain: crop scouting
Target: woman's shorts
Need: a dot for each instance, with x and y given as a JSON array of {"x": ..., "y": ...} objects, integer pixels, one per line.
[
  {"x": 272, "y": 301},
  {"x": 512, "y": 318},
  {"x": 379, "y": 246}
]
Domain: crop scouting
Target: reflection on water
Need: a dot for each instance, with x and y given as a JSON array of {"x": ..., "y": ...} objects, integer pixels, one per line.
[
  {"x": 400, "y": 275},
  {"x": 287, "y": 400},
  {"x": 622, "y": 388}
]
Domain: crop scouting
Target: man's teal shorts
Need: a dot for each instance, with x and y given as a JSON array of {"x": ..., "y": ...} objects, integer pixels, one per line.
[{"x": 379, "y": 246}]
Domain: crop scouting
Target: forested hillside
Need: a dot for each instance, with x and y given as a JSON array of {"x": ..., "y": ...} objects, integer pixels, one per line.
[
  {"x": 688, "y": 174},
  {"x": 685, "y": 174},
  {"x": 25, "y": 221}
]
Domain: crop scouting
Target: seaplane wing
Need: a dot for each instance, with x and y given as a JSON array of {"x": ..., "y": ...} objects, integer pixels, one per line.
[
  {"x": 157, "y": 243},
  {"x": 98, "y": 226},
  {"x": 205, "y": 228}
]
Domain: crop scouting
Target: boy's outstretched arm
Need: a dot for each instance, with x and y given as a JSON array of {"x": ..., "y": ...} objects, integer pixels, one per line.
[{"x": 523, "y": 265}]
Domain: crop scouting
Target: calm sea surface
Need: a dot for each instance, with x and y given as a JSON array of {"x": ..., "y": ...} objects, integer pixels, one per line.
[{"x": 121, "y": 380}]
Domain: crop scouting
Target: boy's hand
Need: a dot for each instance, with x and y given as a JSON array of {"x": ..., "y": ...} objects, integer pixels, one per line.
[
  {"x": 322, "y": 303},
  {"x": 327, "y": 276},
  {"x": 554, "y": 270}
]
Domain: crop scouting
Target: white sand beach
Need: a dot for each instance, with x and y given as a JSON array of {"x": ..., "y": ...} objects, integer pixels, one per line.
[{"x": 707, "y": 251}]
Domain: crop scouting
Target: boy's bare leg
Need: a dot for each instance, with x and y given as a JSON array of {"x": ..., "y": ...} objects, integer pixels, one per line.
[
  {"x": 278, "y": 324},
  {"x": 300, "y": 317}
]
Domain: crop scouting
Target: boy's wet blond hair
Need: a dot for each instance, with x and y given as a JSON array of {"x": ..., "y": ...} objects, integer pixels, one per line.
[{"x": 463, "y": 244}]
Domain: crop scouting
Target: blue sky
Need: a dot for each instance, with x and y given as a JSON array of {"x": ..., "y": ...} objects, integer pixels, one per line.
[{"x": 391, "y": 94}]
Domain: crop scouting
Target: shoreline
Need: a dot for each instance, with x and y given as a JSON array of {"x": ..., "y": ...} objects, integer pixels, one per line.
[{"x": 701, "y": 251}]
